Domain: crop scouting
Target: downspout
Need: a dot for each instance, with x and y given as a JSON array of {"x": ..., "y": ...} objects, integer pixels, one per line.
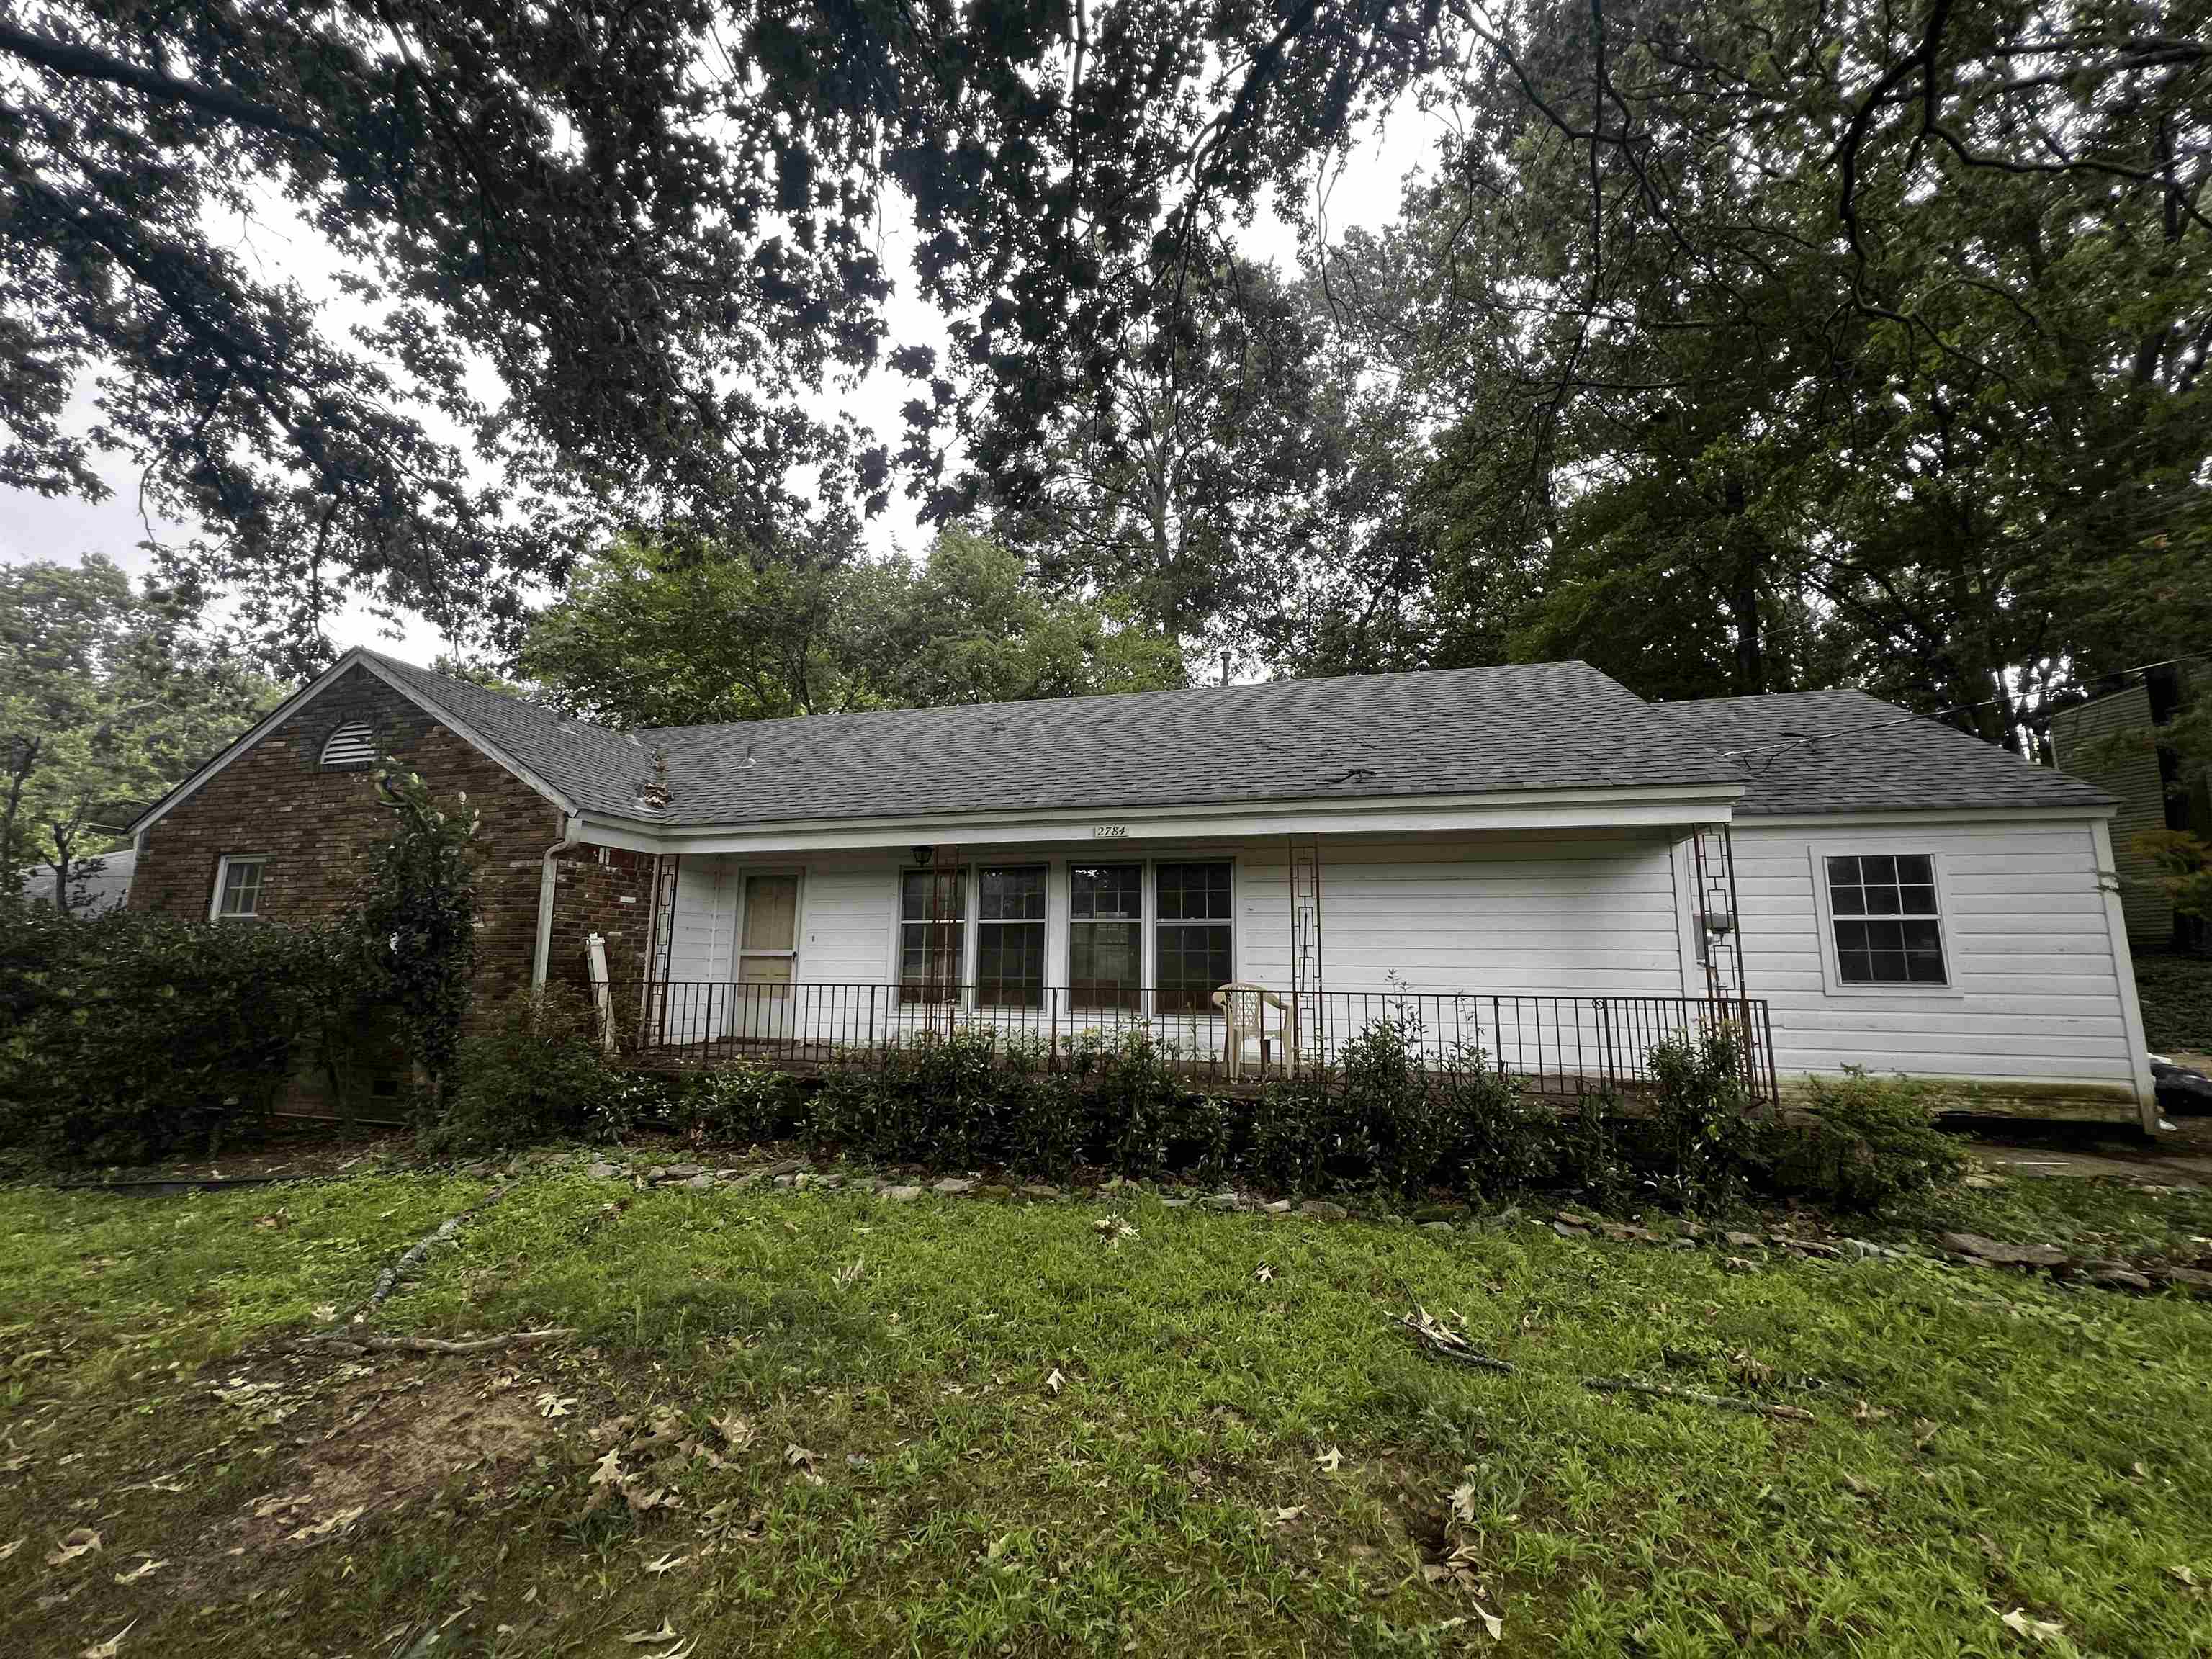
[{"x": 571, "y": 838}]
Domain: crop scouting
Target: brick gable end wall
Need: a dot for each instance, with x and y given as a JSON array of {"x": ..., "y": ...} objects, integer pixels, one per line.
[{"x": 314, "y": 824}]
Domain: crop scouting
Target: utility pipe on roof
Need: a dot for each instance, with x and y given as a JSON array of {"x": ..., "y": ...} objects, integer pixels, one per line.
[{"x": 572, "y": 838}]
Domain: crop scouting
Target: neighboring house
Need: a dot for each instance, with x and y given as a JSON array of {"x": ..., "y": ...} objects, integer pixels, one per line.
[
  {"x": 1528, "y": 858},
  {"x": 101, "y": 882},
  {"x": 2112, "y": 741}
]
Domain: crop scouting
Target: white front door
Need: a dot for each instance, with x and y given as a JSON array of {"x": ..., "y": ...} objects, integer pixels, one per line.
[{"x": 768, "y": 953}]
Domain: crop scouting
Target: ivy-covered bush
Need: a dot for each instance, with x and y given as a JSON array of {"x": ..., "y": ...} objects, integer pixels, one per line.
[
  {"x": 1863, "y": 1143},
  {"x": 133, "y": 1035},
  {"x": 534, "y": 1070}
]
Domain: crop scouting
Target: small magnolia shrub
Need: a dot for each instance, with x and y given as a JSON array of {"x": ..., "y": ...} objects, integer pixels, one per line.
[
  {"x": 952, "y": 1099},
  {"x": 1138, "y": 1115},
  {"x": 1507, "y": 1142},
  {"x": 1699, "y": 1144},
  {"x": 534, "y": 1070},
  {"x": 131, "y": 1035},
  {"x": 1869, "y": 1143},
  {"x": 741, "y": 1102}
]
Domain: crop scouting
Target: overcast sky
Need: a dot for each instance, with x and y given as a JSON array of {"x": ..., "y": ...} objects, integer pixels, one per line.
[{"x": 1365, "y": 192}]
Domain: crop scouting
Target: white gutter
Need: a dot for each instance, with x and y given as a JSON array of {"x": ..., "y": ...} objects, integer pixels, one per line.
[{"x": 571, "y": 838}]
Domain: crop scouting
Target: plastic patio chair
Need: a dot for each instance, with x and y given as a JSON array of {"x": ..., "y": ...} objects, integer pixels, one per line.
[{"x": 1245, "y": 1018}]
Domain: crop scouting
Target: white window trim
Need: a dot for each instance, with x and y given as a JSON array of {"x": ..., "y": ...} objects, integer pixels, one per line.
[
  {"x": 1059, "y": 901},
  {"x": 1832, "y": 977},
  {"x": 222, "y": 880}
]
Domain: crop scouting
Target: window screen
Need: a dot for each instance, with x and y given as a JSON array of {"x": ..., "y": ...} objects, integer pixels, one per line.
[
  {"x": 1883, "y": 909},
  {"x": 930, "y": 942},
  {"x": 1009, "y": 938},
  {"x": 1105, "y": 936},
  {"x": 1192, "y": 935}
]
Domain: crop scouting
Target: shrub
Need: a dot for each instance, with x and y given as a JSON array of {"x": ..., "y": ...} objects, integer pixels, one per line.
[
  {"x": 132, "y": 1035},
  {"x": 1591, "y": 1157},
  {"x": 741, "y": 1102},
  {"x": 1138, "y": 1114},
  {"x": 533, "y": 1070},
  {"x": 942, "y": 1099},
  {"x": 1506, "y": 1142},
  {"x": 415, "y": 913},
  {"x": 1870, "y": 1142},
  {"x": 1699, "y": 1143}
]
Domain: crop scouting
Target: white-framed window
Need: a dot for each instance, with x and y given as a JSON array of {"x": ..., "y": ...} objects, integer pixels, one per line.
[
  {"x": 1193, "y": 945},
  {"x": 1885, "y": 918},
  {"x": 1009, "y": 936},
  {"x": 1106, "y": 936},
  {"x": 351, "y": 745},
  {"x": 932, "y": 934},
  {"x": 237, "y": 895}
]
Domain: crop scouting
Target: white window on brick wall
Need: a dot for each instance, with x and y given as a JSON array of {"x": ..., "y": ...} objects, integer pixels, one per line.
[
  {"x": 238, "y": 887},
  {"x": 351, "y": 745}
]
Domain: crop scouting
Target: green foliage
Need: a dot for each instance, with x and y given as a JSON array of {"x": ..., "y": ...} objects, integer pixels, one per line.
[
  {"x": 2176, "y": 1001},
  {"x": 415, "y": 913},
  {"x": 533, "y": 1069},
  {"x": 946, "y": 1099},
  {"x": 1140, "y": 1114},
  {"x": 657, "y": 635},
  {"x": 1869, "y": 1144},
  {"x": 2184, "y": 869},
  {"x": 133, "y": 1035},
  {"x": 108, "y": 694},
  {"x": 1699, "y": 1143},
  {"x": 740, "y": 1101}
]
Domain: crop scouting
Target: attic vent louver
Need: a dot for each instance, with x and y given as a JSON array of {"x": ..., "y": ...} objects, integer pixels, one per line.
[{"x": 351, "y": 745}]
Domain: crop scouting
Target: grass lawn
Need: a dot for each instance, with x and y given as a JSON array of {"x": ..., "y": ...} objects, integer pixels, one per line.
[{"x": 849, "y": 1425}]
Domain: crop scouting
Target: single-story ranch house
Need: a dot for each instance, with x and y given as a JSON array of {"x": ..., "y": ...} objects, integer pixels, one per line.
[{"x": 1529, "y": 860}]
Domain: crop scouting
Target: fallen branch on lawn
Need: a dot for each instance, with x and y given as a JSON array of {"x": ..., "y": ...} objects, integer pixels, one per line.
[
  {"x": 437, "y": 1344},
  {"x": 1447, "y": 1343},
  {"x": 411, "y": 1259},
  {"x": 1719, "y": 1402}
]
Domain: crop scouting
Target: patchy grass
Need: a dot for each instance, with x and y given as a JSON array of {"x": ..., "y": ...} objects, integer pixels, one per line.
[
  {"x": 2176, "y": 993},
  {"x": 983, "y": 1428}
]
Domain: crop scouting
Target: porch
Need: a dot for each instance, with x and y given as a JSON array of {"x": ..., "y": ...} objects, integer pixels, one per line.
[{"x": 1555, "y": 1047}]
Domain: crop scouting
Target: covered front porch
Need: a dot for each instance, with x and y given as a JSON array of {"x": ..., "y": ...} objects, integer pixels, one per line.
[{"x": 1558, "y": 954}]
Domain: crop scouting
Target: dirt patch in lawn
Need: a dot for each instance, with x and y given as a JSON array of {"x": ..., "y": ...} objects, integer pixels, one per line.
[{"x": 400, "y": 1433}]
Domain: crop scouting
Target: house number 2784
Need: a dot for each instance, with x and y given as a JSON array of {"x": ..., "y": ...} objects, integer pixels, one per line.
[{"x": 1109, "y": 831}]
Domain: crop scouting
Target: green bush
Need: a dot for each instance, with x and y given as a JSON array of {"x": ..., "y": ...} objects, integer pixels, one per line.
[
  {"x": 1699, "y": 1144},
  {"x": 1138, "y": 1115},
  {"x": 1506, "y": 1142},
  {"x": 944, "y": 1099},
  {"x": 132, "y": 1035},
  {"x": 1592, "y": 1158},
  {"x": 534, "y": 1069},
  {"x": 740, "y": 1101},
  {"x": 1867, "y": 1143}
]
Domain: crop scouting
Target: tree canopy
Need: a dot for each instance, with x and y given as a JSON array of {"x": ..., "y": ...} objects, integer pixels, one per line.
[
  {"x": 108, "y": 694},
  {"x": 652, "y": 636}
]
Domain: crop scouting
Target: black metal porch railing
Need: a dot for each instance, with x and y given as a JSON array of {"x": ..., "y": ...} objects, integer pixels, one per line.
[{"x": 1554, "y": 1045}]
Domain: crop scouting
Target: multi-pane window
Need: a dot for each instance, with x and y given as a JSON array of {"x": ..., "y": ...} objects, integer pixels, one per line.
[
  {"x": 930, "y": 941},
  {"x": 1884, "y": 911},
  {"x": 238, "y": 889},
  {"x": 1009, "y": 938},
  {"x": 1106, "y": 935},
  {"x": 1192, "y": 935}
]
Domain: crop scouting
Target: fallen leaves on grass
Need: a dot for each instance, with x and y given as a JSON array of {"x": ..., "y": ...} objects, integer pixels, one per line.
[
  {"x": 736, "y": 1433},
  {"x": 1288, "y": 1513},
  {"x": 1055, "y": 1382},
  {"x": 11, "y": 1547},
  {"x": 849, "y": 1274},
  {"x": 667, "y": 1563},
  {"x": 82, "y": 1540},
  {"x": 1328, "y": 1462},
  {"x": 667, "y": 1633},
  {"x": 799, "y": 1457},
  {"x": 2038, "y": 1630},
  {"x": 111, "y": 1646},
  {"x": 145, "y": 1568},
  {"x": 315, "y": 1531},
  {"x": 1264, "y": 1273}
]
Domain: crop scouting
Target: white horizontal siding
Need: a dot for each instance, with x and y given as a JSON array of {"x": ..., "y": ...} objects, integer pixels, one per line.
[{"x": 2034, "y": 993}]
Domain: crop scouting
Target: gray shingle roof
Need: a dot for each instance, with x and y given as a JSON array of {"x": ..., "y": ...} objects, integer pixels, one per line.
[
  {"x": 1516, "y": 728},
  {"x": 1878, "y": 758}
]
